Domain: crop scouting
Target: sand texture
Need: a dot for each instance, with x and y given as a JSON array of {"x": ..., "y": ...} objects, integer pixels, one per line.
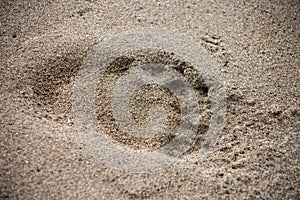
[{"x": 256, "y": 46}]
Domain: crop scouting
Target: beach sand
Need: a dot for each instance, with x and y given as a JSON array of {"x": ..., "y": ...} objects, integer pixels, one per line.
[{"x": 255, "y": 43}]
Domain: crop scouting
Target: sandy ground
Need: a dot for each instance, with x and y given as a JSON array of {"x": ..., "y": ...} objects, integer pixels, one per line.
[{"x": 256, "y": 44}]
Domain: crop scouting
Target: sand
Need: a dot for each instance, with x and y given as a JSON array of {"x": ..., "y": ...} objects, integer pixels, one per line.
[{"x": 256, "y": 45}]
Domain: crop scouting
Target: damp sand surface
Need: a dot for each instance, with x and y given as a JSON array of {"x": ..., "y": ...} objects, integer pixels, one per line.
[{"x": 43, "y": 45}]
